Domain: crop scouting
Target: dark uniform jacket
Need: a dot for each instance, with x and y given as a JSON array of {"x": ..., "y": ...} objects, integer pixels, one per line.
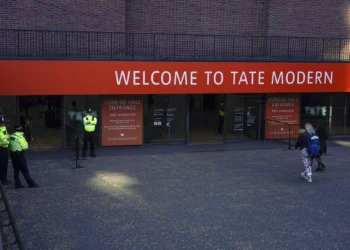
[{"x": 322, "y": 135}]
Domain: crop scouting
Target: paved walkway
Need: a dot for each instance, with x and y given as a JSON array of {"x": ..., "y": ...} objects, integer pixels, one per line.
[{"x": 229, "y": 197}]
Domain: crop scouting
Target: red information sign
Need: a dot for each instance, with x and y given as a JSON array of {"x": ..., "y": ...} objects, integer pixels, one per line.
[
  {"x": 282, "y": 116},
  {"x": 122, "y": 121}
]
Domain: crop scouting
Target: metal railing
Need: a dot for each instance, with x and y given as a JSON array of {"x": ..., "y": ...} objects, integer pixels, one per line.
[
  {"x": 83, "y": 45},
  {"x": 282, "y": 132},
  {"x": 17, "y": 239}
]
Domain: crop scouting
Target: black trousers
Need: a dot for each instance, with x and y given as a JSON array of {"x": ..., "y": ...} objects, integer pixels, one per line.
[
  {"x": 20, "y": 165},
  {"x": 4, "y": 160},
  {"x": 220, "y": 125},
  {"x": 319, "y": 161},
  {"x": 89, "y": 137}
]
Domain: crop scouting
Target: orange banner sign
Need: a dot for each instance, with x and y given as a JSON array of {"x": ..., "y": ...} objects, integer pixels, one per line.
[
  {"x": 122, "y": 121},
  {"x": 101, "y": 77},
  {"x": 282, "y": 116}
]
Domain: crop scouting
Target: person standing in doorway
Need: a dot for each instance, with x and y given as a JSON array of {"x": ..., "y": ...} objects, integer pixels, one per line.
[
  {"x": 221, "y": 113},
  {"x": 18, "y": 145},
  {"x": 89, "y": 133},
  {"x": 73, "y": 122},
  {"x": 4, "y": 154}
]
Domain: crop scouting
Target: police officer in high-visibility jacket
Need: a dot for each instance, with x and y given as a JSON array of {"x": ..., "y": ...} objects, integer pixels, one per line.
[
  {"x": 89, "y": 133},
  {"x": 18, "y": 145},
  {"x": 4, "y": 154},
  {"x": 221, "y": 113}
]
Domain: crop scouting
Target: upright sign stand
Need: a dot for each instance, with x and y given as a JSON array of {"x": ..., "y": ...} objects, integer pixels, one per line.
[{"x": 77, "y": 165}]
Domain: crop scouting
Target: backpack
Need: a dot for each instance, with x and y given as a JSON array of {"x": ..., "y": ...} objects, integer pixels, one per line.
[{"x": 314, "y": 146}]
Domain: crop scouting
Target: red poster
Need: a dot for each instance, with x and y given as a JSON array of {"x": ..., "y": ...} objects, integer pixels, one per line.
[
  {"x": 282, "y": 116},
  {"x": 122, "y": 121}
]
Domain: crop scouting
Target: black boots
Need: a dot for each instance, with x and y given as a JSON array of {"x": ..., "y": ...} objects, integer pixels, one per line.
[
  {"x": 320, "y": 168},
  {"x": 30, "y": 186},
  {"x": 5, "y": 182}
]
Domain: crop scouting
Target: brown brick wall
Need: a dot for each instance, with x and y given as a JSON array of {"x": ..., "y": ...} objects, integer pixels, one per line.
[
  {"x": 310, "y": 18},
  {"x": 239, "y": 17},
  {"x": 96, "y": 15},
  {"x": 78, "y": 15},
  {"x": 325, "y": 18},
  {"x": 247, "y": 17}
]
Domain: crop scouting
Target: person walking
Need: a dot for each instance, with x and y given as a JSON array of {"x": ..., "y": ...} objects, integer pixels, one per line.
[
  {"x": 18, "y": 145},
  {"x": 89, "y": 133},
  {"x": 4, "y": 154},
  {"x": 304, "y": 144},
  {"x": 322, "y": 135}
]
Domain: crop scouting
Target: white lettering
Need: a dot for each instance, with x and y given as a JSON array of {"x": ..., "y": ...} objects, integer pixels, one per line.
[
  {"x": 261, "y": 77},
  {"x": 122, "y": 76},
  {"x": 162, "y": 78},
  {"x": 221, "y": 78},
  {"x": 208, "y": 73},
  {"x": 177, "y": 78},
  {"x": 152, "y": 77},
  {"x": 193, "y": 78},
  {"x": 243, "y": 78},
  {"x": 299, "y": 80},
  {"x": 144, "y": 82},
  {"x": 136, "y": 77},
  {"x": 318, "y": 77},
  {"x": 329, "y": 77},
  {"x": 234, "y": 73},
  {"x": 252, "y": 73},
  {"x": 310, "y": 77},
  {"x": 274, "y": 78},
  {"x": 287, "y": 77}
]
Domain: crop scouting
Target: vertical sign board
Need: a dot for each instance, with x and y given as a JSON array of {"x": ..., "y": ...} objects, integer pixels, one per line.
[
  {"x": 282, "y": 110},
  {"x": 122, "y": 121}
]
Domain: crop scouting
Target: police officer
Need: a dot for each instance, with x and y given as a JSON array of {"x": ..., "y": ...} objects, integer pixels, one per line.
[
  {"x": 221, "y": 114},
  {"x": 18, "y": 145},
  {"x": 89, "y": 133},
  {"x": 4, "y": 155}
]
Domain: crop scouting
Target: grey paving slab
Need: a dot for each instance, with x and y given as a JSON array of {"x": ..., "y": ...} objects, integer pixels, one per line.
[{"x": 200, "y": 199}]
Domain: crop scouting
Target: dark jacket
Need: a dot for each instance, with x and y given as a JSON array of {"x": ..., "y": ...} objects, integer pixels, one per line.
[
  {"x": 302, "y": 142},
  {"x": 322, "y": 135}
]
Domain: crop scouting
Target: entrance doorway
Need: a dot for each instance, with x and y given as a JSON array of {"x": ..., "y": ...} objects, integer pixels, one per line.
[
  {"x": 204, "y": 120},
  {"x": 41, "y": 119},
  {"x": 165, "y": 119},
  {"x": 243, "y": 118}
]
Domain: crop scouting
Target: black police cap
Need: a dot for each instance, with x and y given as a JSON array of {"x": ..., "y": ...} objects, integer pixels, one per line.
[{"x": 18, "y": 127}]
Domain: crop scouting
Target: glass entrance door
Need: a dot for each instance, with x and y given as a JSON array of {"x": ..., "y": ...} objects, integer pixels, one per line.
[
  {"x": 177, "y": 115},
  {"x": 165, "y": 119},
  {"x": 234, "y": 118},
  {"x": 41, "y": 119}
]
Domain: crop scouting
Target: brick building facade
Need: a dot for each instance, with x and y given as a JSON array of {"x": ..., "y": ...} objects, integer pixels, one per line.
[
  {"x": 326, "y": 18},
  {"x": 244, "y": 18}
]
